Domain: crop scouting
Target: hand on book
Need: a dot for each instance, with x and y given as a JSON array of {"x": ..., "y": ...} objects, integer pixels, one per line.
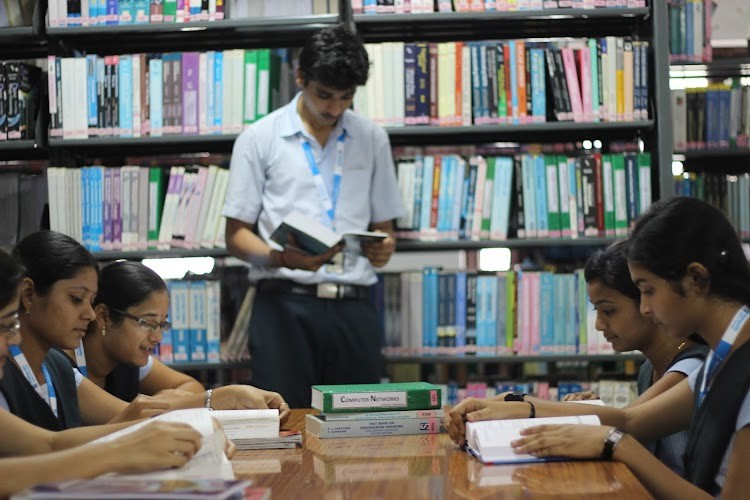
[
  {"x": 379, "y": 252},
  {"x": 229, "y": 446},
  {"x": 142, "y": 407},
  {"x": 158, "y": 445},
  {"x": 242, "y": 397},
  {"x": 474, "y": 410},
  {"x": 580, "y": 396},
  {"x": 574, "y": 441},
  {"x": 293, "y": 257}
]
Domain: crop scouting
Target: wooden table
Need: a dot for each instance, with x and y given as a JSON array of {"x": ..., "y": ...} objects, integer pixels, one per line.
[{"x": 419, "y": 467}]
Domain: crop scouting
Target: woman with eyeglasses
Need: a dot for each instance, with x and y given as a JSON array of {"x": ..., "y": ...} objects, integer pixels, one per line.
[
  {"x": 131, "y": 309},
  {"x": 56, "y": 305},
  {"x": 40, "y": 455}
]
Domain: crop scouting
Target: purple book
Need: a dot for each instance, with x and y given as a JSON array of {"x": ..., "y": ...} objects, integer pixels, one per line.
[
  {"x": 116, "y": 213},
  {"x": 190, "y": 70}
]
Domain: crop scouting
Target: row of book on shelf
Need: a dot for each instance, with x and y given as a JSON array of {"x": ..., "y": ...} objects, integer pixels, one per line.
[
  {"x": 136, "y": 95},
  {"x": 689, "y": 30},
  {"x": 712, "y": 117},
  {"x": 522, "y": 312},
  {"x": 66, "y": 13},
  {"x": 511, "y": 81},
  {"x": 137, "y": 208},
  {"x": 522, "y": 196},
  {"x": 426, "y": 6},
  {"x": 19, "y": 100},
  {"x": 728, "y": 193}
]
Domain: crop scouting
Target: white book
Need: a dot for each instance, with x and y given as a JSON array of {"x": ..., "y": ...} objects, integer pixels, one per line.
[
  {"x": 219, "y": 240},
  {"x": 248, "y": 424},
  {"x": 67, "y": 73},
  {"x": 237, "y": 86},
  {"x": 398, "y": 84},
  {"x": 170, "y": 207},
  {"x": 80, "y": 93},
  {"x": 142, "y": 232},
  {"x": 181, "y": 214},
  {"x": 77, "y": 195},
  {"x": 206, "y": 201},
  {"x": 489, "y": 441},
  {"x": 136, "y": 68},
  {"x": 210, "y": 231},
  {"x": 203, "y": 92}
]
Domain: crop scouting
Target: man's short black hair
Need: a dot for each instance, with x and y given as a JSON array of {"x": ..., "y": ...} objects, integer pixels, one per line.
[{"x": 336, "y": 58}]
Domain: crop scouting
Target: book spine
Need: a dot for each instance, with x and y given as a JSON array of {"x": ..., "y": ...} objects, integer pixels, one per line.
[
  {"x": 382, "y": 415},
  {"x": 363, "y": 428},
  {"x": 345, "y": 402}
]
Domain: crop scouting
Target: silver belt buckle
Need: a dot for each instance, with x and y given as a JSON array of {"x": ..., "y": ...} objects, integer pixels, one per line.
[{"x": 328, "y": 291}]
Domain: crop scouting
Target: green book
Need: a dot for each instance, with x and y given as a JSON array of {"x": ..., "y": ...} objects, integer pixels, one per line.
[
  {"x": 156, "y": 193},
  {"x": 347, "y": 398}
]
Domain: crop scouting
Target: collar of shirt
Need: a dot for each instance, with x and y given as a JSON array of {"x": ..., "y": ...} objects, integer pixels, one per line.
[{"x": 292, "y": 122}]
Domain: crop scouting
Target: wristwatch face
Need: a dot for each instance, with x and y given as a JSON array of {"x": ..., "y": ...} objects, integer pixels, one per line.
[{"x": 514, "y": 396}]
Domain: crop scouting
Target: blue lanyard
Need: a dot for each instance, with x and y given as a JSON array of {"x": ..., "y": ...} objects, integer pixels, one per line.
[
  {"x": 716, "y": 358},
  {"x": 23, "y": 364},
  {"x": 329, "y": 202},
  {"x": 81, "y": 359}
]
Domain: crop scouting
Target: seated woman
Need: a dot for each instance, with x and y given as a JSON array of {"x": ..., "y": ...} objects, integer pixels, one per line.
[
  {"x": 131, "y": 309},
  {"x": 39, "y": 454},
  {"x": 669, "y": 360},
  {"x": 685, "y": 258},
  {"x": 56, "y": 299}
]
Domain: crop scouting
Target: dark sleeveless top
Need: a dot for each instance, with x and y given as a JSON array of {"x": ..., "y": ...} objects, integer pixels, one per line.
[
  {"x": 122, "y": 382},
  {"x": 24, "y": 402},
  {"x": 714, "y": 422}
]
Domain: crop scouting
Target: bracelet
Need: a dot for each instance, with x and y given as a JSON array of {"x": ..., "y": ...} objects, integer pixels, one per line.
[
  {"x": 532, "y": 410},
  {"x": 613, "y": 438},
  {"x": 208, "y": 398}
]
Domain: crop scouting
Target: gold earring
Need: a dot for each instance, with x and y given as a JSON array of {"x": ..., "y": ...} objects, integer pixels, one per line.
[
  {"x": 104, "y": 331},
  {"x": 28, "y": 309}
]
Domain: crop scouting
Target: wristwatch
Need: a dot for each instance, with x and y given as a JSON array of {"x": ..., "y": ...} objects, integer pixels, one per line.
[
  {"x": 614, "y": 437},
  {"x": 515, "y": 396}
]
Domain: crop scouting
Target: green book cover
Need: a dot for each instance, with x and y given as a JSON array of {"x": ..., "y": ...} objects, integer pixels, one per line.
[
  {"x": 620, "y": 195},
  {"x": 563, "y": 183},
  {"x": 644, "y": 181},
  {"x": 170, "y": 11},
  {"x": 489, "y": 186},
  {"x": 269, "y": 68},
  {"x": 156, "y": 193},
  {"x": 347, "y": 398},
  {"x": 510, "y": 309},
  {"x": 554, "y": 222}
]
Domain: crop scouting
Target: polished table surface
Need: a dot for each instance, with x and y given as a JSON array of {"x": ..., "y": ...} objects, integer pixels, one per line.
[{"x": 419, "y": 467}]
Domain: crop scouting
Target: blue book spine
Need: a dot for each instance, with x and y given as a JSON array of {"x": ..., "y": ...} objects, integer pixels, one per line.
[
  {"x": 529, "y": 202},
  {"x": 725, "y": 103},
  {"x": 113, "y": 12},
  {"x": 476, "y": 84},
  {"x": 180, "y": 304},
  {"x": 460, "y": 308},
  {"x": 513, "y": 82},
  {"x": 218, "y": 91},
  {"x": 410, "y": 84},
  {"x": 484, "y": 104},
  {"x": 468, "y": 217},
  {"x": 689, "y": 23},
  {"x": 126, "y": 96},
  {"x": 126, "y": 11},
  {"x": 156, "y": 95},
  {"x": 546, "y": 313},
  {"x": 481, "y": 312},
  {"x": 631, "y": 183},
  {"x": 492, "y": 312},
  {"x": 429, "y": 316},
  {"x": 712, "y": 118},
  {"x": 443, "y": 196},
  {"x": 198, "y": 323},
  {"x": 85, "y": 208},
  {"x": 540, "y": 195},
  {"x": 539, "y": 87},
  {"x": 98, "y": 209},
  {"x": 91, "y": 94},
  {"x": 459, "y": 195},
  {"x": 502, "y": 194},
  {"x": 422, "y": 83}
]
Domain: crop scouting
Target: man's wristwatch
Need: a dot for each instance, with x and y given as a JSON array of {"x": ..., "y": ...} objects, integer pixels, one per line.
[
  {"x": 515, "y": 396},
  {"x": 614, "y": 437}
]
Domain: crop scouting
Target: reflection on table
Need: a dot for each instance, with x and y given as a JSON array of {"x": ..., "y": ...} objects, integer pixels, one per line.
[{"x": 420, "y": 467}]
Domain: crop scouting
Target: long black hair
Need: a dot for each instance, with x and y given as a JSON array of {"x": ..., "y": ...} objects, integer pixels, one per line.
[
  {"x": 610, "y": 267},
  {"x": 11, "y": 274},
  {"x": 49, "y": 257},
  {"x": 676, "y": 232},
  {"x": 123, "y": 284}
]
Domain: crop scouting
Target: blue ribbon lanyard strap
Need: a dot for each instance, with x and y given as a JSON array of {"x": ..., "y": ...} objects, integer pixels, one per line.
[
  {"x": 716, "y": 358},
  {"x": 23, "y": 364},
  {"x": 329, "y": 201}
]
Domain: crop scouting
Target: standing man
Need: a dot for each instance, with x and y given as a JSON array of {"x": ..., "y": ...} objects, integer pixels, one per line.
[{"x": 312, "y": 322}]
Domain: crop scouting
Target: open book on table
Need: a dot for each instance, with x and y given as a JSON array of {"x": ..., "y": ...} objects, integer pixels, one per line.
[
  {"x": 489, "y": 441},
  {"x": 315, "y": 238},
  {"x": 256, "y": 429},
  {"x": 209, "y": 462}
]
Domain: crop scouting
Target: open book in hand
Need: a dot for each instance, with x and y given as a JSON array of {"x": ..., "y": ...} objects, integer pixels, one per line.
[
  {"x": 490, "y": 440},
  {"x": 313, "y": 237},
  {"x": 256, "y": 429}
]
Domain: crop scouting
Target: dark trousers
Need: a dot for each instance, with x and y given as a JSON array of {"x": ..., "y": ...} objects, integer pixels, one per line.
[{"x": 299, "y": 341}]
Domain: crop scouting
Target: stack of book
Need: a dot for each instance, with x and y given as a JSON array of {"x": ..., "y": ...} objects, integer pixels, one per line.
[
  {"x": 361, "y": 410},
  {"x": 256, "y": 429}
]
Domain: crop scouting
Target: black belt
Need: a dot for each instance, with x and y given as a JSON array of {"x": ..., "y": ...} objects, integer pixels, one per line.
[{"x": 325, "y": 290}]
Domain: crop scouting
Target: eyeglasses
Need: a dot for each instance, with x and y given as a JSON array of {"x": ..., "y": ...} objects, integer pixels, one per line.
[
  {"x": 144, "y": 324},
  {"x": 11, "y": 330}
]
